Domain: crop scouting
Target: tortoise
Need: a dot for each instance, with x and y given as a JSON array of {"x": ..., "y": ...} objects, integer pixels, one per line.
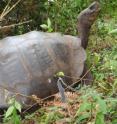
[{"x": 29, "y": 62}]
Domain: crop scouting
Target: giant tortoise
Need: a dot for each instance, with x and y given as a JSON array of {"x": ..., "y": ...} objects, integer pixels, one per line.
[{"x": 29, "y": 62}]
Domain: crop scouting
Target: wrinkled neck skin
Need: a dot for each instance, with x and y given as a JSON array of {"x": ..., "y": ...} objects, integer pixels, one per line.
[{"x": 83, "y": 31}]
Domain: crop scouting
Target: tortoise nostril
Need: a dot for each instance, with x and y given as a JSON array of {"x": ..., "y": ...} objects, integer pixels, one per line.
[{"x": 92, "y": 7}]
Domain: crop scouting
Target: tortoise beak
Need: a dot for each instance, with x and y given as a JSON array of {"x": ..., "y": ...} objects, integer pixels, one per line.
[{"x": 95, "y": 7}]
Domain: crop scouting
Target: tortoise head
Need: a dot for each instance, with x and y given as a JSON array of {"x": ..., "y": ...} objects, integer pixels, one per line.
[
  {"x": 85, "y": 20},
  {"x": 89, "y": 15}
]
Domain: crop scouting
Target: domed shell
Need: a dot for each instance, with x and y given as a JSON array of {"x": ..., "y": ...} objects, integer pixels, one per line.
[{"x": 29, "y": 62}]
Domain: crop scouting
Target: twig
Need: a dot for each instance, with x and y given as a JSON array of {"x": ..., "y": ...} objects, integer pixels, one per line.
[
  {"x": 13, "y": 25},
  {"x": 7, "y": 9},
  {"x": 80, "y": 78}
]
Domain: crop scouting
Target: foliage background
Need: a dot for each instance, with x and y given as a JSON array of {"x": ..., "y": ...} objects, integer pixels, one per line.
[{"x": 102, "y": 49}]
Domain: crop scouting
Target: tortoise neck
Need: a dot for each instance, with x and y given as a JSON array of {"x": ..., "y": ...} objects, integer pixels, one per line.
[{"x": 83, "y": 31}]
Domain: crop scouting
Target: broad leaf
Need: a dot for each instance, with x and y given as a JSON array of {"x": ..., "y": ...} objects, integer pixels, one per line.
[
  {"x": 102, "y": 106},
  {"x": 83, "y": 107},
  {"x": 49, "y": 23},
  {"x": 18, "y": 106},
  {"x": 82, "y": 117},
  {"x": 60, "y": 74},
  {"x": 99, "y": 118},
  {"x": 44, "y": 26},
  {"x": 114, "y": 31},
  {"x": 9, "y": 111},
  {"x": 50, "y": 30}
]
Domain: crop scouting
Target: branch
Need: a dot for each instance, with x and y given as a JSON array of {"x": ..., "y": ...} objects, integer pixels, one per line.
[
  {"x": 7, "y": 9},
  {"x": 13, "y": 25}
]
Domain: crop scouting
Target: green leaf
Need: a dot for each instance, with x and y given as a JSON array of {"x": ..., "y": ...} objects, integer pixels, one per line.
[
  {"x": 49, "y": 23},
  {"x": 49, "y": 118},
  {"x": 44, "y": 26},
  {"x": 82, "y": 117},
  {"x": 18, "y": 106},
  {"x": 101, "y": 102},
  {"x": 96, "y": 58},
  {"x": 102, "y": 106},
  {"x": 115, "y": 83},
  {"x": 114, "y": 31},
  {"x": 16, "y": 119},
  {"x": 115, "y": 57},
  {"x": 60, "y": 74},
  {"x": 83, "y": 107},
  {"x": 114, "y": 121},
  {"x": 50, "y": 30},
  {"x": 9, "y": 111},
  {"x": 99, "y": 118}
]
